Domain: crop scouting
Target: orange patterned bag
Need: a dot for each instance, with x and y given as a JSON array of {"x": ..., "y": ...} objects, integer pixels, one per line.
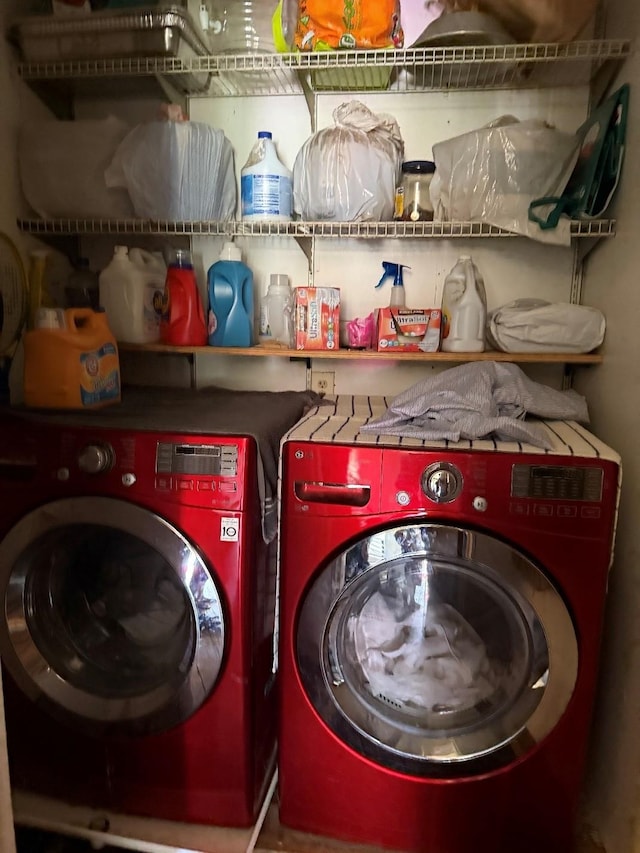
[{"x": 349, "y": 24}]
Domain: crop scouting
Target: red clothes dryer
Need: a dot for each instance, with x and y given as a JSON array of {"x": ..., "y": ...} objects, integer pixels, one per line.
[
  {"x": 138, "y": 602},
  {"x": 442, "y": 608}
]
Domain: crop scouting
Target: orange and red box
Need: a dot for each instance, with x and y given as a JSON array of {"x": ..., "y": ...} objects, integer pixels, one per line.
[
  {"x": 317, "y": 318},
  {"x": 409, "y": 329}
]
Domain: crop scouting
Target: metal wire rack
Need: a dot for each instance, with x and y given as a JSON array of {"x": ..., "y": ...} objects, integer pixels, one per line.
[
  {"x": 238, "y": 228},
  {"x": 401, "y": 71}
]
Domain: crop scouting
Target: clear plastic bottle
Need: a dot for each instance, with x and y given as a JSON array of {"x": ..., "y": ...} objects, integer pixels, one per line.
[
  {"x": 276, "y": 312},
  {"x": 265, "y": 183},
  {"x": 241, "y": 26},
  {"x": 464, "y": 308}
]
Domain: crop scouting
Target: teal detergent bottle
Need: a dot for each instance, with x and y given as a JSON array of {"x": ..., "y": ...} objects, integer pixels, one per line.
[
  {"x": 230, "y": 287},
  {"x": 394, "y": 271}
]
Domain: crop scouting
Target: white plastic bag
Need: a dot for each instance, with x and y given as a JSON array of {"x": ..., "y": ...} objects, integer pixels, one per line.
[
  {"x": 534, "y": 325},
  {"x": 176, "y": 170},
  {"x": 349, "y": 173},
  {"x": 62, "y": 164},
  {"x": 493, "y": 173}
]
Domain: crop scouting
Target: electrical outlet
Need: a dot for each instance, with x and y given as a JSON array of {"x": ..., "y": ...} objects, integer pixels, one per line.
[{"x": 323, "y": 381}]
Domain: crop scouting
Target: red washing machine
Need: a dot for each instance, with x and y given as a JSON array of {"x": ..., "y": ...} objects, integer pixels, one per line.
[
  {"x": 138, "y": 601},
  {"x": 442, "y": 609}
]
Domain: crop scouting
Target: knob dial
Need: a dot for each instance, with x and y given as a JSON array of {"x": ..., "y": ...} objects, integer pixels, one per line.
[
  {"x": 95, "y": 458},
  {"x": 441, "y": 482}
]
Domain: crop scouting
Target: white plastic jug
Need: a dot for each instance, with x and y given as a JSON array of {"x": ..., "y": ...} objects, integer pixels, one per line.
[
  {"x": 265, "y": 183},
  {"x": 131, "y": 288},
  {"x": 464, "y": 308}
]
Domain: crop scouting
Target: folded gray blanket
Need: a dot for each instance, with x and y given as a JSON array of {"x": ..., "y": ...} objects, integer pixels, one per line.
[{"x": 477, "y": 400}]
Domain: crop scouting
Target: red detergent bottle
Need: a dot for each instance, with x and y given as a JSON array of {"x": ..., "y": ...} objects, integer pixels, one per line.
[{"x": 182, "y": 322}]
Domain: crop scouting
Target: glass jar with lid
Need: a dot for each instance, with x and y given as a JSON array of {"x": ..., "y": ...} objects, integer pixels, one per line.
[{"x": 413, "y": 202}]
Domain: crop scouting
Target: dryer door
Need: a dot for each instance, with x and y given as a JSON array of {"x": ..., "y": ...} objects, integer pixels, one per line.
[
  {"x": 110, "y": 617},
  {"x": 436, "y": 650}
]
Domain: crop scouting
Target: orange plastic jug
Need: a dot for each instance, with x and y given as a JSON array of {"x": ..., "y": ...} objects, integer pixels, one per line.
[{"x": 72, "y": 366}]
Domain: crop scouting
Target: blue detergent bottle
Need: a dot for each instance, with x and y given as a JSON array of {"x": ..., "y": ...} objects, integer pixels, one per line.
[{"x": 230, "y": 287}]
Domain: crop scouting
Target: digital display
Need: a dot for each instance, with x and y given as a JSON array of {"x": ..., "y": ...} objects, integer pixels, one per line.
[
  {"x": 557, "y": 482},
  {"x": 206, "y": 460}
]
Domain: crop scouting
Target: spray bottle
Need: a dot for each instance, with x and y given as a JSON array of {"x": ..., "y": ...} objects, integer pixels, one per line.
[{"x": 394, "y": 271}]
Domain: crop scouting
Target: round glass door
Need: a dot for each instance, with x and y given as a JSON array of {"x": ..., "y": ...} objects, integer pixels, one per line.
[
  {"x": 110, "y": 616},
  {"x": 436, "y": 650}
]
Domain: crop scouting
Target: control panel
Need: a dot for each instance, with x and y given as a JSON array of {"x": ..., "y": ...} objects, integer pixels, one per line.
[
  {"x": 204, "y": 460},
  {"x": 557, "y": 482},
  {"x": 199, "y": 471}
]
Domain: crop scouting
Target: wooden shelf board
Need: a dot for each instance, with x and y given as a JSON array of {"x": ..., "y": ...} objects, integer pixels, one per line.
[{"x": 370, "y": 355}]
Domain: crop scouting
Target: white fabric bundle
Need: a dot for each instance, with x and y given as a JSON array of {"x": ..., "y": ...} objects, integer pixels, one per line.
[
  {"x": 534, "y": 325},
  {"x": 431, "y": 659},
  {"x": 176, "y": 170}
]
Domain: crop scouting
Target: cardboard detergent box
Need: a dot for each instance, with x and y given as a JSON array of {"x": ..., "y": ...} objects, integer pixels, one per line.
[
  {"x": 317, "y": 318},
  {"x": 409, "y": 329}
]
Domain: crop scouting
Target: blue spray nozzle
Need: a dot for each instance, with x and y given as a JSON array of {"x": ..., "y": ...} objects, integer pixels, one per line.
[{"x": 393, "y": 271}]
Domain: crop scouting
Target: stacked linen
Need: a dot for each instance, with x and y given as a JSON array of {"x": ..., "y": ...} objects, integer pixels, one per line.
[{"x": 176, "y": 170}]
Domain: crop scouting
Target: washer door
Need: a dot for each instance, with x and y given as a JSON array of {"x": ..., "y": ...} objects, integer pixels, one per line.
[
  {"x": 110, "y": 616},
  {"x": 436, "y": 650}
]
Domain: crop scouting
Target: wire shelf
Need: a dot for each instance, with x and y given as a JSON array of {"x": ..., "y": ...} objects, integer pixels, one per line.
[
  {"x": 239, "y": 228},
  {"x": 417, "y": 70}
]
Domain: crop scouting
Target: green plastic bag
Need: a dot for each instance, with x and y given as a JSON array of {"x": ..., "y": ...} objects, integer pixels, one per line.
[{"x": 596, "y": 174}]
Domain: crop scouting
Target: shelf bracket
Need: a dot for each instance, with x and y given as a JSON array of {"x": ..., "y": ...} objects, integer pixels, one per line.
[
  {"x": 310, "y": 98},
  {"x": 585, "y": 246},
  {"x": 306, "y": 244}
]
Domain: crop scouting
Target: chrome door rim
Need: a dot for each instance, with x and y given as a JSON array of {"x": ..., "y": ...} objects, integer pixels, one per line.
[
  {"x": 157, "y": 709},
  {"x": 351, "y": 719}
]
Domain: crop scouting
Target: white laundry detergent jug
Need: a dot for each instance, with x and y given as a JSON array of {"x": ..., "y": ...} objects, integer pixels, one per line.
[
  {"x": 464, "y": 308},
  {"x": 131, "y": 288}
]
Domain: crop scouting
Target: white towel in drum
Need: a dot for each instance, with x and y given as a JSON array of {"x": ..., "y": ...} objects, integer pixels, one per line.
[{"x": 476, "y": 400}]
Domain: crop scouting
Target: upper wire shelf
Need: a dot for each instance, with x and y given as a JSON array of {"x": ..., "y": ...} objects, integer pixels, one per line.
[
  {"x": 399, "y": 71},
  {"x": 366, "y": 230}
]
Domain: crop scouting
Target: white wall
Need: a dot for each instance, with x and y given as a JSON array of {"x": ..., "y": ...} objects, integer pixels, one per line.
[
  {"x": 613, "y": 392},
  {"x": 512, "y": 268}
]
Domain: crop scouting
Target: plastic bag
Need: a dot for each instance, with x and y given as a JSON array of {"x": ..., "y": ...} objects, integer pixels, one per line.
[
  {"x": 327, "y": 24},
  {"x": 492, "y": 175},
  {"x": 536, "y": 20},
  {"x": 349, "y": 173},
  {"x": 176, "y": 170},
  {"x": 595, "y": 178},
  {"x": 62, "y": 164},
  {"x": 534, "y": 325}
]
